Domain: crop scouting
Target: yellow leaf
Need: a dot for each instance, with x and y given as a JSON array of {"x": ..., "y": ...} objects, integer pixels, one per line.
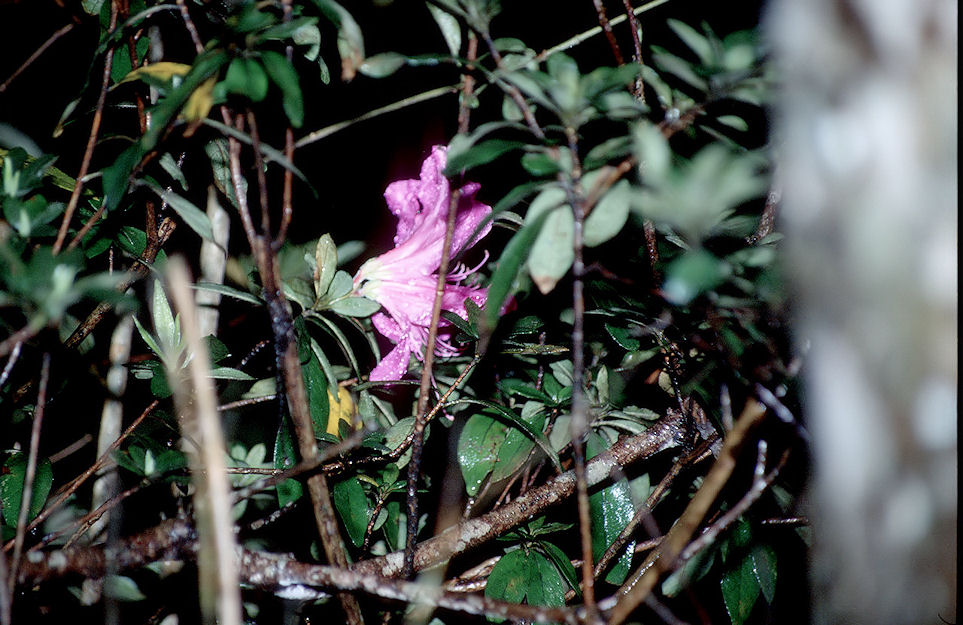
[
  {"x": 164, "y": 70},
  {"x": 199, "y": 104},
  {"x": 341, "y": 409}
]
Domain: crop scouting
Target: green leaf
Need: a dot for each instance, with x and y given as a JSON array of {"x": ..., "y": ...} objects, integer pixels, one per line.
[
  {"x": 381, "y": 65},
  {"x": 217, "y": 153},
  {"x": 516, "y": 448},
  {"x": 506, "y": 271},
  {"x": 623, "y": 337},
  {"x": 450, "y": 28},
  {"x": 341, "y": 285},
  {"x": 478, "y": 154},
  {"x": 519, "y": 423},
  {"x": 396, "y": 434},
  {"x": 552, "y": 253},
  {"x": 514, "y": 386},
  {"x": 740, "y": 589},
  {"x": 251, "y": 19},
  {"x": 357, "y": 306},
  {"x": 166, "y": 325},
  {"x": 733, "y": 121},
  {"x": 526, "y": 574},
  {"x": 695, "y": 568},
  {"x": 609, "y": 215},
  {"x": 463, "y": 325},
  {"x": 764, "y": 568},
  {"x": 478, "y": 450},
  {"x": 692, "y": 274},
  {"x": 564, "y": 87},
  {"x": 285, "y": 457},
  {"x": 611, "y": 509},
  {"x": 326, "y": 264},
  {"x": 122, "y": 588},
  {"x": 196, "y": 219},
  {"x": 245, "y": 76},
  {"x": 227, "y": 373},
  {"x": 540, "y": 164},
  {"x": 696, "y": 41},
  {"x": 350, "y": 39},
  {"x": 563, "y": 564},
  {"x": 653, "y": 151},
  {"x": 12, "y": 480},
  {"x": 315, "y": 382},
  {"x": 288, "y": 29},
  {"x": 509, "y": 579},
  {"x": 283, "y": 74},
  {"x": 169, "y": 165},
  {"x": 616, "y": 147},
  {"x": 678, "y": 67},
  {"x": 244, "y": 296},
  {"x": 352, "y": 506},
  {"x": 117, "y": 176},
  {"x": 546, "y": 586}
]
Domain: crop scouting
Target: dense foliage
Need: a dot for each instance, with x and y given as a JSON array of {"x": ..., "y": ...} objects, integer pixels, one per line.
[{"x": 599, "y": 220}]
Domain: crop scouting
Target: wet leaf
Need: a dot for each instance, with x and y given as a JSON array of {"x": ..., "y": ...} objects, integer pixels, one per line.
[
  {"x": 352, "y": 506},
  {"x": 611, "y": 509},
  {"x": 12, "y": 480},
  {"x": 740, "y": 589}
]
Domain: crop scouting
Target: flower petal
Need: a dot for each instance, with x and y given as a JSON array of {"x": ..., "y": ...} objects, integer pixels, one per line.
[
  {"x": 393, "y": 366},
  {"x": 403, "y": 280}
]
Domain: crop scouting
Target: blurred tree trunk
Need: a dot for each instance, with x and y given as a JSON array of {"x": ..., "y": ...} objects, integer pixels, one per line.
[{"x": 867, "y": 145}]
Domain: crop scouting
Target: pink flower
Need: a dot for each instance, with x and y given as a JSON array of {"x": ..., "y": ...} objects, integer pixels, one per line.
[{"x": 403, "y": 280}]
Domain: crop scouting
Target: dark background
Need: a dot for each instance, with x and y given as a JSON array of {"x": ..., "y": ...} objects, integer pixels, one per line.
[{"x": 348, "y": 170}]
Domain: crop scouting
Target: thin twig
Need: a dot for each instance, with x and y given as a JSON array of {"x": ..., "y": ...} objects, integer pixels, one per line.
[
  {"x": 645, "y": 511},
  {"x": 11, "y": 362},
  {"x": 289, "y": 368},
  {"x": 421, "y": 413},
  {"x": 287, "y": 208},
  {"x": 241, "y": 403},
  {"x": 196, "y": 400},
  {"x": 638, "y": 586},
  {"x": 469, "y": 534},
  {"x": 15, "y": 340},
  {"x": 89, "y": 519},
  {"x": 189, "y": 25},
  {"x": 580, "y": 418},
  {"x": 36, "y": 54},
  {"x": 91, "y": 142},
  {"x": 760, "y": 482},
  {"x": 30, "y": 474},
  {"x": 588, "y": 34},
  {"x": 607, "y": 29},
  {"x": 302, "y": 467},
  {"x": 327, "y": 131},
  {"x": 513, "y": 91},
  {"x": 70, "y": 449},
  {"x": 259, "y": 174},
  {"x": 77, "y": 482},
  {"x": 636, "y": 49}
]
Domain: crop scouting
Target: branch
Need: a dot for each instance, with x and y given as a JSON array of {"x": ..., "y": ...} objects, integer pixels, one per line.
[
  {"x": 196, "y": 401},
  {"x": 421, "y": 417},
  {"x": 101, "y": 461},
  {"x": 579, "y": 423},
  {"x": 456, "y": 540},
  {"x": 275, "y": 572},
  {"x": 636, "y": 589},
  {"x": 26, "y": 494}
]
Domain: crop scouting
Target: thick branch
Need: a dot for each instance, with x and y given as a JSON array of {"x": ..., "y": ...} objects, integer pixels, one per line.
[{"x": 458, "y": 539}]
